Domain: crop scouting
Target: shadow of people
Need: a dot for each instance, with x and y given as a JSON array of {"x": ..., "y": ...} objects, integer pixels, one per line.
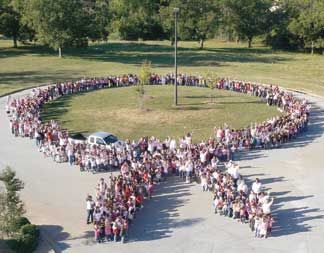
[
  {"x": 295, "y": 220},
  {"x": 160, "y": 216}
]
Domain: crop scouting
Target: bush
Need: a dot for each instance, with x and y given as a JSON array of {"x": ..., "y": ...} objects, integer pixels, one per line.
[
  {"x": 21, "y": 221},
  {"x": 26, "y": 241}
]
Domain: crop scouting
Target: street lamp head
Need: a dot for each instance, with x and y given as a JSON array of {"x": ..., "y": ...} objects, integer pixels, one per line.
[{"x": 176, "y": 10}]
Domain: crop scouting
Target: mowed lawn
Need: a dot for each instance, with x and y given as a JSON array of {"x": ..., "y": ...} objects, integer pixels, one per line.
[
  {"x": 35, "y": 65},
  {"x": 117, "y": 110}
]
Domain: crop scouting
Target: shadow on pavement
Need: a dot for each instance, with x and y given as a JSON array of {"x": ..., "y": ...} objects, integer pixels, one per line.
[
  {"x": 159, "y": 217},
  {"x": 55, "y": 237},
  {"x": 295, "y": 220}
]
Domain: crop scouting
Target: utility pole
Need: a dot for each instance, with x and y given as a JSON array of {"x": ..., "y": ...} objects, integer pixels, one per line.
[{"x": 175, "y": 11}]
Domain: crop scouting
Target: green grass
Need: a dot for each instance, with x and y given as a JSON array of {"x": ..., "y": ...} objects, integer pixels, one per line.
[
  {"x": 117, "y": 110},
  {"x": 35, "y": 65}
]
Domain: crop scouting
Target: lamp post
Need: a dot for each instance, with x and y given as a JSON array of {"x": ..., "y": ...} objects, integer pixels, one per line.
[{"x": 175, "y": 11}]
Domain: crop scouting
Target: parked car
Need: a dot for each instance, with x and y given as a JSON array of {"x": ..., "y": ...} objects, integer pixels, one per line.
[
  {"x": 77, "y": 138},
  {"x": 107, "y": 139}
]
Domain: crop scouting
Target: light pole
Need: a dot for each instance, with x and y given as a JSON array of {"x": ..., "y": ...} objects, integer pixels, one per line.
[{"x": 175, "y": 11}]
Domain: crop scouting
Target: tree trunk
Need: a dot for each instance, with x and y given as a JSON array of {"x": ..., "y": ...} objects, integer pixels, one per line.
[
  {"x": 312, "y": 48},
  {"x": 201, "y": 44},
  {"x": 60, "y": 52},
  {"x": 15, "y": 42},
  {"x": 141, "y": 100},
  {"x": 250, "y": 42}
]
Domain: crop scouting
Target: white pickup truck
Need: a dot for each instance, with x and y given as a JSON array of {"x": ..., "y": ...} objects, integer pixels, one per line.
[
  {"x": 99, "y": 138},
  {"x": 107, "y": 139}
]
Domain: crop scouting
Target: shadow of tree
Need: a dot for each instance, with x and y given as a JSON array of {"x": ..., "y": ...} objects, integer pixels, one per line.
[
  {"x": 38, "y": 77},
  {"x": 55, "y": 236},
  {"x": 160, "y": 55}
]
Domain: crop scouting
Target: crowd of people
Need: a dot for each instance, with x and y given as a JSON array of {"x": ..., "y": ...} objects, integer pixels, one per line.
[
  {"x": 233, "y": 198},
  {"x": 148, "y": 161}
]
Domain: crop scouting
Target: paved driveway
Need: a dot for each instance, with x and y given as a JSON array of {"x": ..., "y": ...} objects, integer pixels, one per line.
[{"x": 179, "y": 218}]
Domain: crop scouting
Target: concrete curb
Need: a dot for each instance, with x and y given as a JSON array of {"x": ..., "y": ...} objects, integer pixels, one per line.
[
  {"x": 22, "y": 89},
  {"x": 304, "y": 92}
]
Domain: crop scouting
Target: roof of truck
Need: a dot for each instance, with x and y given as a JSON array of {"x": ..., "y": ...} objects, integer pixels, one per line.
[{"x": 101, "y": 134}]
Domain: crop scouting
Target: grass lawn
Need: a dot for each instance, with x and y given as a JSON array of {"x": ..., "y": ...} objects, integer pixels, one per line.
[
  {"x": 117, "y": 110},
  {"x": 36, "y": 65}
]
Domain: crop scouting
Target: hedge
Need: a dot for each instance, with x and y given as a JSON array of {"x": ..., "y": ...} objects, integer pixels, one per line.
[{"x": 27, "y": 239}]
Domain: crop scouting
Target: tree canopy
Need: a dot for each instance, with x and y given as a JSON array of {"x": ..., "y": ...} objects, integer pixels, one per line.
[
  {"x": 11, "y": 207},
  {"x": 58, "y": 23},
  {"x": 308, "y": 24},
  {"x": 249, "y": 18},
  {"x": 288, "y": 24}
]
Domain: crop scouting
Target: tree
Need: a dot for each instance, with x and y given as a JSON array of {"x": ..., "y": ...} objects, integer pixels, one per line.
[
  {"x": 280, "y": 36},
  {"x": 144, "y": 79},
  {"x": 11, "y": 24},
  {"x": 308, "y": 24},
  {"x": 198, "y": 20},
  {"x": 99, "y": 18},
  {"x": 12, "y": 207},
  {"x": 136, "y": 19},
  {"x": 249, "y": 18},
  {"x": 211, "y": 81},
  {"x": 59, "y": 23}
]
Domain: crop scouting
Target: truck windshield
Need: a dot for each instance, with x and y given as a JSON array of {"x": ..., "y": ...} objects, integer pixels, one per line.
[{"x": 110, "y": 139}]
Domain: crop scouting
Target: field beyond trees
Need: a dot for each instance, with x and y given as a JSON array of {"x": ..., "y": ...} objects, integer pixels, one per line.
[
  {"x": 28, "y": 66},
  {"x": 117, "y": 110}
]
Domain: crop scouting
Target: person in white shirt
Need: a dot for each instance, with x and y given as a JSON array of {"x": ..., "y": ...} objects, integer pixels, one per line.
[
  {"x": 234, "y": 172},
  {"x": 203, "y": 156},
  {"x": 173, "y": 144},
  {"x": 242, "y": 187},
  {"x": 257, "y": 226},
  {"x": 257, "y": 186},
  {"x": 189, "y": 169},
  {"x": 188, "y": 139},
  {"x": 90, "y": 208},
  {"x": 266, "y": 206}
]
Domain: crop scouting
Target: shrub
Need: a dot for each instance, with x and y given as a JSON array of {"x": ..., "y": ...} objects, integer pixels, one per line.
[
  {"x": 26, "y": 241},
  {"x": 21, "y": 221}
]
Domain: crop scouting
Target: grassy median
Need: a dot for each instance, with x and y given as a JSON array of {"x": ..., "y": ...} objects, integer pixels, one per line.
[{"x": 117, "y": 110}]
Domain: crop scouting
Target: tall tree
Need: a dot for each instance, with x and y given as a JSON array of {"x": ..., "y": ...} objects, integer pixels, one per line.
[
  {"x": 308, "y": 24},
  {"x": 198, "y": 20},
  {"x": 136, "y": 19},
  {"x": 99, "y": 18},
  {"x": 59, "y": 23},
  {"x": 12, "y": 206},
  {"x": 249, "y": 18},
  {"x": 280, "y": 36},
  {"x": 10, "y": 22}
]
